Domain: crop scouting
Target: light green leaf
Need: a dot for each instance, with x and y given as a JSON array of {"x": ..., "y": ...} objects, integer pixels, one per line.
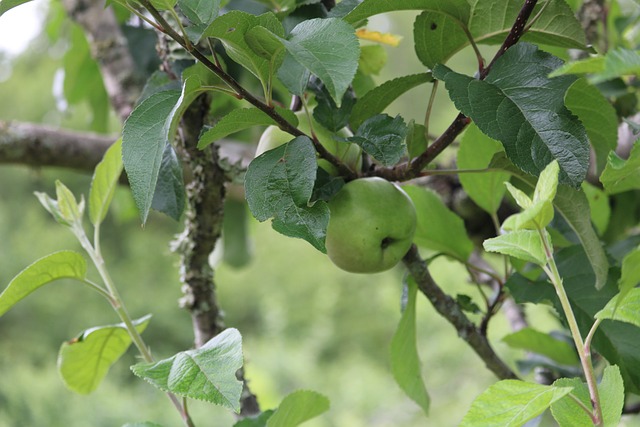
[
  {"x": 521, "y": 198},
  {"x": 547, "y": 184},
  {"x": 594, "y": 64},
  {"x": 599, "y": 207},
  {"x": 58, "y": 265},
  {"x": 622, "y": 175},
  {"x": 476, "y": 151},
  {"x": 457, "y": 8},
  {"x": 618, "y": 63},
  {"x": 104, "y": 182},
  {"x": 201, "y": 13},
  {"x": 376, "y": 100},
  {"x": 437, "y": 36},
  {"x": 511, "y": 403},
  {"x": 611, "y": 391},
  {"x": 163, "y": 4},
  {"x": 329, "y": 49},
  {"x": 625, "y": 311},
  {"x": 240, "y": 119},
  {"x": 84, "y": 361},
  {"x": 298, "y": 407},
  {"x": 404, "y": 358},
  {"x": 630, "y": 276},
  {"x": 207, "y": 373},
  {"x": 530, "y": 218},
  {"x": 566, "y": 411},
  {"x": 598, "y": 117},
  {"x": 535, "y": 341},
  {"x": 519, "y": 106},
  {"x": 372, "y": 59},
  {"x": 522, "y": 244},
  {"x": 438, "y": 228},
  {"x": 6, "y": 5}
]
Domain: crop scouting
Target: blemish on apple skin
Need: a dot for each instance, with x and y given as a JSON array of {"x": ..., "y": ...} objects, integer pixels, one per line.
[{"x": 386, "y": 242}]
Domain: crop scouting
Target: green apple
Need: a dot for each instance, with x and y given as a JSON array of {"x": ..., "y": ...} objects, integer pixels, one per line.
[
  {"x": 371, "y": 226},
  {"x": 348, "y": 153}
]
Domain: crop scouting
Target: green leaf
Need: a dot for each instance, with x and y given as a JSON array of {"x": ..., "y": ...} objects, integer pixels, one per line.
[
  {"x": 169, "y": 195},
  {"x": 279, "y": 184},
  {"x": 240, "y": 119},
  {"x": 404, "y": 358},
  {"x": 511, "y": 403},
  {"x": 611, "y": 390},
  {"x": 622, "y": 175},
  {"x": 438, "y": 228},
  {"x": 491, "y": 21},
  {"x": 618, "y": 63},
  {"x": 519, "y": 106},
  {"x": 590, "y": 65},
  {"x": 201, "y": 13},
  {"x": 84, "y": 361},
  {"x": 566, "y": 411},
  {"x": 457, "y": 8},
  {"x": 382, "y": 137},
  {"x": 376, "y": 100},
  {"x": 58, "y": 265},
  {"x": 327, "y": 113},
  {"x": 574, "y": 208},
  {"x": 329, "y": 49},
  {"x": 104, "y": 182},
  {"x": 293, "y": 75},
  {"x": 476, "y": 151},
  {"x": 266, "y": 44},
  {"x": 623, "y": 308},
  {"x": 207, "y": 373},
  {"x": 522, "y": 244},
  {"x": 437, "y": 36},
  {"x": 416, "y": 139},
  {"x": 144, "y": 137},
  {"x": 259, "y": 421},
  {"x": 538, "y": 342},
  {"x": 598, "y": 117},
  {"x": 599, "y": 206},
  {"x": 6, "y": 5},
  {"x": 298, "y": 407},
  {"x": 630, "y": 276},
  {"x": 372, "y": 59}
]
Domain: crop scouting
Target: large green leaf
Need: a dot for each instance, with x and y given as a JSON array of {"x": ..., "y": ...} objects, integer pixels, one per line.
[
  {"x": 382, "y": 137},
  {"x": 566, "y": 411},
  {"x": 201, "y": 13},
  {"x": 376, "y": 100},
  {"x": 437, "y": 36},
  {"x": 279, "y": 184},
  {"x": 511, "y": 403},
  {"x": 58, "y": 265},
  {"x": 438, "y": 228},
  {"x": 521, "y": 107},
  {"x": 404, "y": 358},
  {"x": 298, "y": 407},
  {"x": 456, "y": 8},
  {"x": 207, "y": 373},
  {"x": 84, "y": 361},
  {"x": 598, "y": 117},
  {"x": 104, "y": 182},
  {"x": 476, "y": 150},
  {"x": 329, "y": 49},
  {"x": 538, "y": 342},
  {"x": 622, "y": 175},
  {"x": 623, "y": 308}
]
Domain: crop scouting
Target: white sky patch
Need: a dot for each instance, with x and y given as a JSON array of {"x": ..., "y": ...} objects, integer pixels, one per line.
[{"x": 20, "y": 25}]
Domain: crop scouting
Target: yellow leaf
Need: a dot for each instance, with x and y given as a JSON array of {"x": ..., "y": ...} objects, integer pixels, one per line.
[{"x": 376, "y": 36}]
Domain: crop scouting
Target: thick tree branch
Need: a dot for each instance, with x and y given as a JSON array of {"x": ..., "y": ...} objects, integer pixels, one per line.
[{"x": 450, "y": 310}]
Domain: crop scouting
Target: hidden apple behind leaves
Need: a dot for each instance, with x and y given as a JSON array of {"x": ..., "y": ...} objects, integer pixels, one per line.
[
  {"x": 371, "y": 226},
  {"x": 350, "y": 154}
]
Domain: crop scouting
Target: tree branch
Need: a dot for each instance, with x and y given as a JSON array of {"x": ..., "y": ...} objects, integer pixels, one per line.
[{"x": 451, "y": 311}]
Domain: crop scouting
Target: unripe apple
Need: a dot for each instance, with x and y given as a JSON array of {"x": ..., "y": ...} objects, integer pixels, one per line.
[
  {"x": 371, "y": 226},
  {"x": 350, "y": 154}
]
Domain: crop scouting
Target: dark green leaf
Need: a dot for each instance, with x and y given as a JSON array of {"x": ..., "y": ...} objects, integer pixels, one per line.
[
  {"x": 466, "y": 303},
  {"x": 84, "y": 361},
  {"x": 169, "y": 195},
  {"x": 259, "y": 421},
  {"x": 207, "y": 373},
  {"x": 327, "y": 113},
  {"x": 622, "y": 175},
  {"x": 382, "y": 137},
  {"x": 437, "y": 36},
  {"x": 457, "y": 8},
  {"x": 404, "y": 358},
  {"x": 201, "y": 13},
  {"x": 298, "y": 407},
  {"x": 532, "y": 340},
  {"x": 58, "y": 265},
  {"x": 524, "y": 290},
  {"x": 326, "y": 186},
  {"x": 293, "y": 75},
  {"x": 104, "y": 182},
  {"x": 376, "y": 100},
  {"x": 279, "y": 184},
  {"x": 519, "y": 106}
]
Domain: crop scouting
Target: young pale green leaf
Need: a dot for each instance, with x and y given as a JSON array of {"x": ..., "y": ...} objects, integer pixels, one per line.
[
  {"x": 207, "y": 373},
  {"x": 104, "y": 182},
  {"x": 611, "y": 390},
  {"x": 574, "y": 208},
  {"x": 591, "y": 65},
  {"x": 329, "y": 49},
  {"x": 535, "y": 341},
  {"x": 298, "y": 407},
  {"x": 6, "y": 5},
  {"x": 84, "y": 361},
  {"x": 240, "y": 119},
  {"x": 382, "y": 137},
  {"x": 630, "y": 276},
  {"x": 69, "y": 208},
  {"x": 437, "y": 36},
  {"x": 404, "y": 358},
  {"x": 566, "y": 411},
  {"x": 438, "y": 228},
  {"x": 456, "y": 8},
  {"x": 521, "y": 107},
  {"x": 622, "y": 175},
  {"x": 521, "y": 198},
  {"x": 511, "y": 403},
  {"x": 201, "y": 13},
  {"x": 476, "y": 151},
  {"x": 279, "y": 184},
  {"x": 376, "y": 100},
  {"x": 522, "y": 244},
  {"x": 623, "y": 308},
  {"x": 547, "y": 185},
  {"x": 144, "y": 138},
  {"x": 598, "y": 117},
  {"x": 599, "y": 207},
  {"x": 169, "y": 195},
  {"x": 58, "y": 265}
]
